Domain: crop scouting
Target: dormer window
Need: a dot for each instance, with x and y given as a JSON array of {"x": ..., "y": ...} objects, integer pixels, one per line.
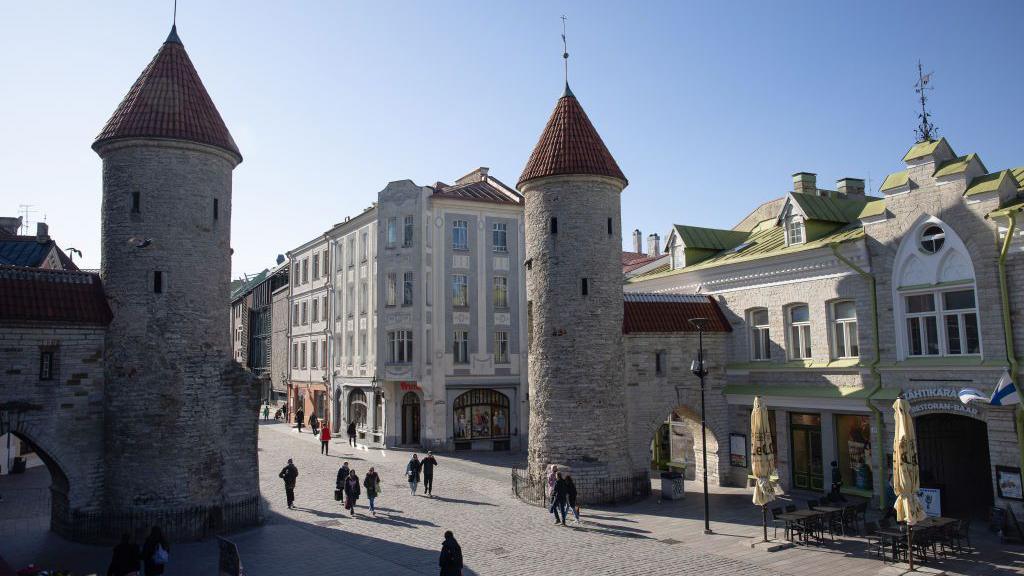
[
  {"x": 794, "y": 230},
  {"x": 678, "y": 257}
]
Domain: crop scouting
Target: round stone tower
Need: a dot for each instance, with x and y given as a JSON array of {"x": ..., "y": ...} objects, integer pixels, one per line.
[
  {"x": 574, "y": 289},
  {"x": 180, "y": 415}
]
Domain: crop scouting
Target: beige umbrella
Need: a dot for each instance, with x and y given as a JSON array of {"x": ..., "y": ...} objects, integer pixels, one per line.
[
  {"x": 905, "y": 472},
  {"x": 762, "y": 460}
]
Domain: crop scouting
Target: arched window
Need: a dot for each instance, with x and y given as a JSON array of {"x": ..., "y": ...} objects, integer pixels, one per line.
[
  {"x": 357, "y": 407},
  {"x": 481, "y": 414}
]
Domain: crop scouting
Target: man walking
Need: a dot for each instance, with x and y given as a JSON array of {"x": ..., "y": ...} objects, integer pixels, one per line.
[
  {"x": 428, "y": 464},
  {"x": 289, "y": 473},
  {"x": 300, "y": 416},
  {"x": 412, "y": 472},
  {"x": 352, "y": 434},
  {"x": 339, "y": 483},
  {"x": 314, "y": 423},
  {"x": 266, "y": 411},
  {"x": 451, "y": 556}
]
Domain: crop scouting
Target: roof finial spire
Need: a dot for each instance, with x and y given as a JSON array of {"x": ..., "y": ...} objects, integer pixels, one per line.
[
  {"x": 926, "y": 131},
  {"x": 173, "y": 36},
  {"x": 565, "y": 57}
]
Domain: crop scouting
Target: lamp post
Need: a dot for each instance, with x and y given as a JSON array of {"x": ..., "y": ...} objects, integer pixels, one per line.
[
  {"x": 700, "y": 371},
  {"x": 377, "y": 388}
]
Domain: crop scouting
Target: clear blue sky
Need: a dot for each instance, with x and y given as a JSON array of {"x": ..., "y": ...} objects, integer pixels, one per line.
[{"x": 708, "y": 107}]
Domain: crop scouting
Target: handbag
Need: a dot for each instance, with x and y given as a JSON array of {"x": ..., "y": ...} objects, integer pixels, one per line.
[
  {"x": 377, "y": 486},
  {"x": 160, "y": 556},
  {"x": 337, "y": 494}
]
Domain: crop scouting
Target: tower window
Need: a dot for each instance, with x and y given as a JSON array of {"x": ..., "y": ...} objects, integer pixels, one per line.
[
  {"x": 609, "y": 226},
  {"x": 584, "y": 286},
  {"x": 216, "y": 208},
  {"x": 554, "y": 225},
  {"x": 158, "y": 282},
  {"x": 135, "y": 202}
]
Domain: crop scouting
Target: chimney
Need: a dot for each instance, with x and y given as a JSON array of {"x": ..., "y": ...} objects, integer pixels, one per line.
[
  {"x": 850, "y": 186},
  {"x": 638, "y": 241},
  {"x": 654, "y": 245},
  {"x": 42, "y": 232},
  {"x": 478, "y": 175},
  {"x": 10, "y": 224},
  {"x": 805, "y": 183}
]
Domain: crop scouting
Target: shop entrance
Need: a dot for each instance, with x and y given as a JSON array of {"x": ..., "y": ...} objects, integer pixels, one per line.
[
  {"x": 410, "y": 418},
  {"x": 953, "y": 456},
  {"x": 805, "y": 434}
]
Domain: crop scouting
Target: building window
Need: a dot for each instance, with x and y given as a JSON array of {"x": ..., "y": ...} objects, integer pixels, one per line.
[
  {"x": 408, "y": 233},
  {"x": 794, "y": 230},
  {"x": 959, "y": 314},
  {"x": 350, "y": 347},
  {"x": 554, "y": 225},
  {"x": 323, "y": 308},
  {"x": 460, "y": 235},
  {"x": 392, "y": 231},
  {"x": 499, "y": 237},
  {"x": 296, "y": 276},
  {"x": 323, "y": 354},
  {"x": 480, "y": 414},
  {"x": 365, "y": 246},
  {"x": 305, "y": 310},
  {"x": 363, "y": 298},
  {"x": 136, "y": 196},
  {"x": 501, "y": 347},
  {"x": 760, "y": 340},
  {"x": 500, "y": 292},
  {"x": 400, "y": 347},
  {"x": 357, "y": 408},
  {"x": 932, "y": 239},
  {"x": 295, "y": 315},
  {"x": 158, "y": 282},
  {"x": 922, "y": 325},
  {"x": 660, "y": 363},
  {"x": 960, "y": 320},
  {"x": 326, "y": 263},
  {"x": 407, "y": 289},
  {"x": 316, "y": 267},
  {"x": 350, "y": 300},
  {"x": 305, "y": 270},
  {"x": 362, "y": 347},
  {"x": 799, "y": 332},
  {"x": 460, "y": 347},
  {"x": 352, "y": 250},
  {"x": 391, "y": 289},
  {"x": 313, "y": 355},
  {"x": 460, "y": 291},
  {"x": 295, "y": 355},
  {"x": 584, "y": 286},
  {"x": 853, "y": 439},
  {"x": 302, "y": 357},
  {"x": 316, "y": 309},
  {"x": 46, "y": 365},
  {"x": 216, "y": 208},
  {"x": 844, "y": 330},
  {"x": 609, "y": 226}
]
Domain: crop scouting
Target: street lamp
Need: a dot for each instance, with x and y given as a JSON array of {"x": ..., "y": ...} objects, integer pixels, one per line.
[
  {"x": 376, "y": 386},
  {"x": 700, "y": 371}
]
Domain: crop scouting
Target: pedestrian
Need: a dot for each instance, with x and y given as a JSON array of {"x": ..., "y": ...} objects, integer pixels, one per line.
[
  {"x": 372, "y": 484},
  {"x": 155, "y": 552},
  {"x": 552, "y": 477},
  {"x": 300, "y": 416},
  {"x": 451, "y": 556},
  {"x": 412, "y": 472},
  {"x": 289, "y": 473},
  {"x": 837, "y": 484},
  {"x": 352, "y": 434},
  {"x": 266, "y": 410},
  {"x": 558, "y": 499},
  {"x": 351, "y": 492},
  {"x": 428, "y": 464},
  {"x": 339, "y": 483},
  {"x": 325, "y": 438},
  {"x": 570, "y": 494},
  {"x": 125, "y": 560},
  {"x": 314, "y": 423}
]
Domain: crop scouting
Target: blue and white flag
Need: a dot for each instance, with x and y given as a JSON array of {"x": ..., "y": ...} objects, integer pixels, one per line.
[{"x": 1005, "y": 394}]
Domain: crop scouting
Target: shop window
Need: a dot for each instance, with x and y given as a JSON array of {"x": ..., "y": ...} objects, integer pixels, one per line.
[
  {"x": 844, "y": 330},
  {"x": 357, "y": 408},
  {"x": 799, "y": 332},
  {"x": 854, "y": 452},
  {"x": 760, "y": 338},
  {"x": 481, "y": 414}
]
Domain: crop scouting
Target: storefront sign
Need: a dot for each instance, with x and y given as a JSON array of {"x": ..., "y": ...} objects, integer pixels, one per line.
[
  {"x": 409, "y": 386},
  {"x": 938, "y": 400},
  {"x": 931, "y": 499}
]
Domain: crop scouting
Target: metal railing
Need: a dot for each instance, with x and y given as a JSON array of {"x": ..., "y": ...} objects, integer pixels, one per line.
[{"x": 604, "y": 490}]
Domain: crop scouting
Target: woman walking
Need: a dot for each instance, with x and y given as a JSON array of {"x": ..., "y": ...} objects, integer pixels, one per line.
[
  {"x": 372, "y": 484},
  {"x": 412, "y": 472},
  {"x": 155, "y": 552},
  {"x": 451, "y": 556},
  {"x": 325, "y": 438},
  {"x": 570, "y": 494},
  {"x": 352, "y": 491}
]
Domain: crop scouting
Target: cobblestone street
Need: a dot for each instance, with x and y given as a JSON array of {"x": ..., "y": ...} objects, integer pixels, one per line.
[{"x": 499, "y": 535}]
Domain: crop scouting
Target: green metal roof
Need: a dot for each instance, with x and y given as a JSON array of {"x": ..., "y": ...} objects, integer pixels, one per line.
[
  {"x": 245, "y": 286},
  {"x": 1018, "y": 173},
  {"x": 895, "y": 180},
  {"x": 957, "y": 165},
  {"x": 875, "y": 207},
  {"x": 922, "y": 149},
  {"x": 988, "y": 183},
  {"x": 710, "y": 238},
  {"x": 829, "y": 209}
]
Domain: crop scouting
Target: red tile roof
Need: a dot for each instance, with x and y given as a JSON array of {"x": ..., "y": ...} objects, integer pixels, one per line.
[
  {"x": 169, "y": 101},
  {"x": 633, "y": 260},
  {"x": 480, "y": 191},
  {"x": 570, "y": 145},
  {"x": 35, "y": 294},
  {"x": 670, "y": 313}
]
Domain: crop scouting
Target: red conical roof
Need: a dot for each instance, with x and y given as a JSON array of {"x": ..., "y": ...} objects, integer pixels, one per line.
[
  {"x": 169, "y": 101},
  {"x": 570, "y": 145}
]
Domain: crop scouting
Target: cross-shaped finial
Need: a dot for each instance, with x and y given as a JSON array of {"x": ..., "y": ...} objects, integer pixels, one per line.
[{"x": 565, "y": 51}]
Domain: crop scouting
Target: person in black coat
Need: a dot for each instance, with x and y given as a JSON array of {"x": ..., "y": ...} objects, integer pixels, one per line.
[
  {"x": 451, "y": 556},
  {"x": 351, "y": 433},
  {"x": 570, "y": 496},
  {"x": 314, "y": 424},
  {"x": 154, "y": 542},
  {"x": 428, "y": 464},
  {"x": 352, "y": 492},
  {"x": 558, "y": 499},
  {"x": 412, "y": 473},
  {"x": 126, "y": 557},
  {"x": 289, "y": 473},
  {"x": 300, "y": 416}
]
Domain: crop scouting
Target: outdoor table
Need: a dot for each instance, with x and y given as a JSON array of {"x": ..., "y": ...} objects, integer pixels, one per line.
[
  {"x": 797, "y": 517},
  {"x": 828, "y": 508},
  {"x": 894, "y": 536}
]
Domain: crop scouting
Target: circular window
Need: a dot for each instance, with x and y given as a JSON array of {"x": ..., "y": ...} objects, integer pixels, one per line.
[{"x": 932, "y": 239}]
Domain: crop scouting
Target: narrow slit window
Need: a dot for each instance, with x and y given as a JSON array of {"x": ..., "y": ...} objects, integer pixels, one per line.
[
  {"x": 584, "y": 286},
  {"x": 136, "y": 196},
  {"x": 216, "y": 208},
  {"x": 609, "y": 226},
  {"x": 554, "y": 225},
  {"x": 158, "y": 282}
]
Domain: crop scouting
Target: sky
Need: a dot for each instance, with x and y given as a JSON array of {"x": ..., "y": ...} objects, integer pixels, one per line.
[{"x": 708, "y": 107}]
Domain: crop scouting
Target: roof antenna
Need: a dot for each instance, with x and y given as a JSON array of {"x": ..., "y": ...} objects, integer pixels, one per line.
[
  {"x": 174, "y": 18},
  {"x": 565, "y": 57},
  {"x": 926, "y": 131}
]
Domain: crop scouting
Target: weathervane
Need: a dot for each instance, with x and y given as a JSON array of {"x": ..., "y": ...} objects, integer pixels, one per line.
[
  {"x": 926, "y": 131},
  {"x": 565, "y": 51}
]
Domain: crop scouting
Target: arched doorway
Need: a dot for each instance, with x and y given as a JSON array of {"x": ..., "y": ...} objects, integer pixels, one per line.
[
  {"x": 677, "y": 445},
  {"x": 36, "y": 493},
  {"x": 357, "y": 409},
  {"x": 953, "y": 457},
  {"x": 410, "y": 418}
]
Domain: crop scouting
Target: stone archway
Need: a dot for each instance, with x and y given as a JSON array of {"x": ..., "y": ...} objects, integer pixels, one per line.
[
  {"x": 675, "y": 442},
  {"x": 51, "y": 500}
]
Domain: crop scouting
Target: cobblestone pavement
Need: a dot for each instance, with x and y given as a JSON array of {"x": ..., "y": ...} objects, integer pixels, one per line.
[{"x": 499, "y": 535}]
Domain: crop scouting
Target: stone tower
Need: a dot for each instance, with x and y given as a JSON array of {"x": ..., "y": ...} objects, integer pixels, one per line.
[
  {"x": 180, "y": 416},
  {"x": 574, "y": 289}
]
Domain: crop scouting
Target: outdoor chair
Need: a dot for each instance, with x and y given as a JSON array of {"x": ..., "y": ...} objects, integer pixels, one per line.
[
  {"x": 962, "y": 534},
  {"x": 849, "y": 519},
  {"x": 776, "y": 521},
  {"x": 876, "y": 544},
  {"x": 860, "y": 513}
]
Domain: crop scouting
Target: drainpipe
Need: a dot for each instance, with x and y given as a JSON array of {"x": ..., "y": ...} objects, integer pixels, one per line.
[
  {"x": 875, "y": 375},
  {"x": 1004, "y": 293}
]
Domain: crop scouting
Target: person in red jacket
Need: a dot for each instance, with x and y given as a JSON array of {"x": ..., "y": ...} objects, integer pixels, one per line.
[{"x": 325, "y": 437}]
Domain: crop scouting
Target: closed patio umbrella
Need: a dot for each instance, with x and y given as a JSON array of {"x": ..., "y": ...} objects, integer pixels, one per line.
[
  {"x": 762, "y": 460},
  {"x": 905, "y": 472}
]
